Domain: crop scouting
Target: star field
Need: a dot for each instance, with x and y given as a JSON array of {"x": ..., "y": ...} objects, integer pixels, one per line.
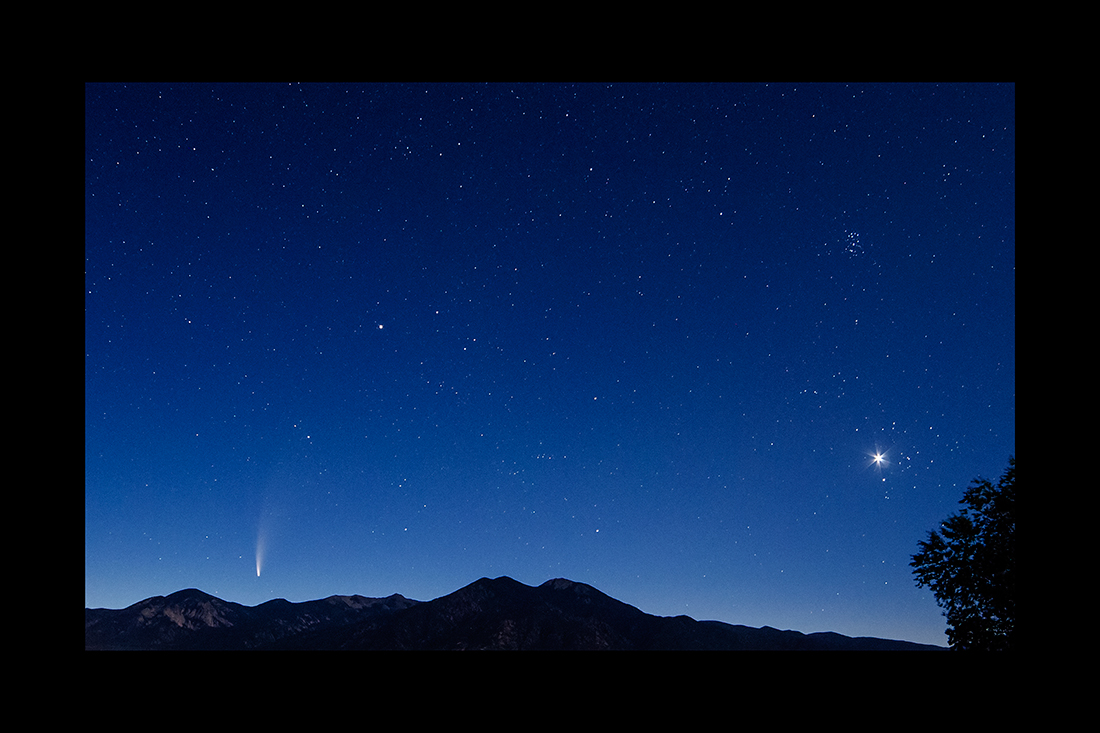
[{"x": 392, "y": 338}]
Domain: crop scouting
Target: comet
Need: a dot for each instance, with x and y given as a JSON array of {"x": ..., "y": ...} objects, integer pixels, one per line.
[
  {"x": 267, "y": 528},
  {"x": 261, "y": 548}
]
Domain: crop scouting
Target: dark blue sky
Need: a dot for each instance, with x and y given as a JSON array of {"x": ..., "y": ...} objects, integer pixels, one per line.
[{"x": 645, "y": 337}]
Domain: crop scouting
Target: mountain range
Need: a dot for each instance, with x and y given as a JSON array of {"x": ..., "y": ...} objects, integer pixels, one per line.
[{"x": 499, "y": 613}]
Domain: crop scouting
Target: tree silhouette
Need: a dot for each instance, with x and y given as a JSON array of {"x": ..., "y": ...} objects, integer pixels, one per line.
[{"x": 970, "y": 565}]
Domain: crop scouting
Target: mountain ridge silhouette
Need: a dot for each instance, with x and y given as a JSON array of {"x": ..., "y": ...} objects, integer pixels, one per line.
[{"x": 488, "y": 614}]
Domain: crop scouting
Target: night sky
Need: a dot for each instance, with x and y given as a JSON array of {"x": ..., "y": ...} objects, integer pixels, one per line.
[{"x": 393, "y": 338}]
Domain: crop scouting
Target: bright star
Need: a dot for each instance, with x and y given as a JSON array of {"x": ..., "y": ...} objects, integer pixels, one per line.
[{"x": 878, "y": 459}]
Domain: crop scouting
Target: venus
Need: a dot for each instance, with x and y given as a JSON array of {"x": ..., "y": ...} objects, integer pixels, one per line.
[{"x": 878, "y": 459}]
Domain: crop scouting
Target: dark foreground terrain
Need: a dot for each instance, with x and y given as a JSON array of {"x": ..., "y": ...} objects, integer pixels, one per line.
[{"x": 487, "y": 614}]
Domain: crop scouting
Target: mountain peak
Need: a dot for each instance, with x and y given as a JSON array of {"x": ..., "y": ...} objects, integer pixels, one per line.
[
  {"x": 559, "y": 584},
  {"x": 190, "y": 594}
]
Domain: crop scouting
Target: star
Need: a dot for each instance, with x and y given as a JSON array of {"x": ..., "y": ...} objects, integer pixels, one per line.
[{"x": 878, "y": 459}]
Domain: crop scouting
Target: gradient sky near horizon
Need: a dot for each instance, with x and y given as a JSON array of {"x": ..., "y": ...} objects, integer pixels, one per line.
[{"x": 393, "y": 338}]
